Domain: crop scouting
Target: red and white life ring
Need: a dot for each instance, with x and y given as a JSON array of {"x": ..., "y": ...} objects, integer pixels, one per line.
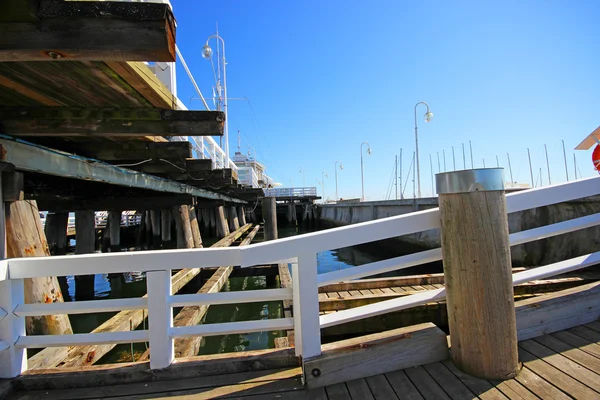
[{"x": 596, "y": 158}]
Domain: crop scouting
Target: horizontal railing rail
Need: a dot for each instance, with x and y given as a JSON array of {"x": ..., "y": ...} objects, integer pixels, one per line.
[{"x": 306, "y": 320}]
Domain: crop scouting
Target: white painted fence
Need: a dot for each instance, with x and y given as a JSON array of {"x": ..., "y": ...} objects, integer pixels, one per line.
[{"x": 301, "y": 251}]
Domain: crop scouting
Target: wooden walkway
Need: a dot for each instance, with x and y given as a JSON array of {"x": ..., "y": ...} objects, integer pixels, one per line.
[{"x": 561, "y": 365}]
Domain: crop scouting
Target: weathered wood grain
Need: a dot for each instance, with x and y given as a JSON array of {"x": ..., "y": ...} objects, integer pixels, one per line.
[
  {"x": 479, "y": 293},
  {"x": 109, "y": 121},
  {"x": 376, "y": 354},
  {"x": 25, "y": 238},
  {"x": 92, "y": 30}
]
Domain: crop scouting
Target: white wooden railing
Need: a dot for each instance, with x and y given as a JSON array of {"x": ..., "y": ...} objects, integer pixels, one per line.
[
  {"x": 300, "y": 251},
  {"x": 291, "y": 192}
]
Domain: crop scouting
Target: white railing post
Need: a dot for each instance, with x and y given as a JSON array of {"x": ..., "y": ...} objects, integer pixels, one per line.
[
  {"x": 160, "y": 318},
  {"x": 307, "y": 330},
  {"x": 13, "y": 361}
]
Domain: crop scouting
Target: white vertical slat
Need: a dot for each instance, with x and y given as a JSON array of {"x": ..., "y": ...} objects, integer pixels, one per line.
[
  {"x": 307, "y": 330},
  {"x": 160, "y": 318},
  {"x": 13, "y": 360}
]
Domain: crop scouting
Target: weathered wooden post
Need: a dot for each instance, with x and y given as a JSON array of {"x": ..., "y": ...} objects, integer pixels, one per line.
[
  {"x": 195, "y": 228},
  {"x": 85, "y": 243},
  {"x": 156, "y": 233},
  {"x": 25, "y": 238},
  {"x": 477, "y": 271},
  {"x": 222, "y": 227},
  {"x": 186, "y": 229},
  {"x": 56, "y": 232},
  {"x": 241, "y": 215},
  {"x": 234, "y": 223},
  {"x": 269, "y": 211},
  {"x": 114, "y": 225}
]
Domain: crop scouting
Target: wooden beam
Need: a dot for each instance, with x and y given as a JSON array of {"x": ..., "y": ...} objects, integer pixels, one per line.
[
  {"x": 378, "y": 283},
  {"x": 375, "y": 354},
  {"x": 90, "y": 30},
  {"x": 133, "y": 151},
  {"x": 109, "y": 121},
  {"x": 558, "y": 311},
  {"x": 34, "y": 158},
  {"x": 49, "y": 202}
]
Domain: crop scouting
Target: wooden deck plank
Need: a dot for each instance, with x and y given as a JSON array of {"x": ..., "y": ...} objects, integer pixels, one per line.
[
  {"x": 579, "y": 342},
  {"x": 359, "y": 390},
  {"x": 594, "y": 325},
  {"x": 562, "y": 363},
  {"x": 403, "y": 386},
  {"x": 387, "y": 291},
  {"x": 428, "y": 388},
  {"x": 586, "y": 333},
  {"x": 339, "y": 391},
  {"x": 345, "y": 294},
  {"x": 558, "y": 378},
  {"x": 514, "y": 390},
  {"x": 355, "y": 293},
  {"x": 480, "y": 387},
  {"x": 579, "y": 356},
  {"x": 381, "y": 388},
  {"x": 398, "y": 289},
  {"x": 275, "y": 387},
  {"x": 167, "y": 386},
  {"x": 539, "y": 386},
  {"x": 448, "y": 381}
]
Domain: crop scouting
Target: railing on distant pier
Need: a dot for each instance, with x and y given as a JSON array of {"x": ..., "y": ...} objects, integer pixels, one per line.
[
  {"x": 291, "y": 192},
  {"x": 301, "y": 251}
]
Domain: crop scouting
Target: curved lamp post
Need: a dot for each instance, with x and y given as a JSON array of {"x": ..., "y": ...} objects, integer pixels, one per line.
[
  {"x": 323, "y": 176},
  {"x": 428, "y": 116},
  {"x": 336, "y": 178},
  {"x": 207, "y": 53},
  {"x": 362, "y": 169}
]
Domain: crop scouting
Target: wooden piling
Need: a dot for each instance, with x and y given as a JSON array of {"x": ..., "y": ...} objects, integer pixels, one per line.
[
  {"x": 184, "y": 219},
  {"x": 165, "y": 226},
  {"x": 241, "y": 215},
  {"x": 222, "y": 226},
  {"x": 205, "y": 220},
  {"x": 85, "y": 243},
  {"x": 156, "y": 233},
  {"x": 269, "y": 211},
  {"x": 148, "y": 226},
  {"x": 25, "y": 238},
  {"x": 56, "y": 233},
  {"x": 195, "y": 228},
  {"x": 477, "y": 271},
  {"x": 213, "y": 220},
  {"x": 233, "y": 219},
  {"x": 114, "y": 226}
]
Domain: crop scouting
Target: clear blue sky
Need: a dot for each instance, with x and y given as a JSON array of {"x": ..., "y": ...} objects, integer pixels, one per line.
[{"x": 324, "y": 76}]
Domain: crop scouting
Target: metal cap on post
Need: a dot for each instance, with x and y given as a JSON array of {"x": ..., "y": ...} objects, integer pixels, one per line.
[{"x": 477, "y": 272}]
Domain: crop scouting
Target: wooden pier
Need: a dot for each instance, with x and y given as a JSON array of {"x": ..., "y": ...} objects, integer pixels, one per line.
[{"x": 87, "y": 127}]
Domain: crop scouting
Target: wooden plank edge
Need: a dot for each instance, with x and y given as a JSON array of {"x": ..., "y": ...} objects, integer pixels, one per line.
[{"x": 375, "y": 354}]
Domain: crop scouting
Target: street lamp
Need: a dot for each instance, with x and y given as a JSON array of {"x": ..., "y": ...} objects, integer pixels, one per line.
[
  {"x": 428, "y": 116},
  {"x": 207, "y": 53},
  {"x": 362, "y": 170},
  {"x": 336, "y": 179},
  {"x": 323, "y": 176}
]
